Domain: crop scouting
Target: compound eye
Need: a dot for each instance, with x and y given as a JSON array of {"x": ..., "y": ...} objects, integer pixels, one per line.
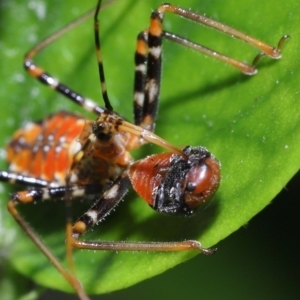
[{"x": 202, "y": 182}]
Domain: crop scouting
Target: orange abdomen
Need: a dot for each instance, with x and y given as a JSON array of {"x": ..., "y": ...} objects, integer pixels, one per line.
[{"x": 45, "y": 149}]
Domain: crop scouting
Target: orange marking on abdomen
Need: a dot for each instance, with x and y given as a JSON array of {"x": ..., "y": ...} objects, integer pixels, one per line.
[
  {"x": 42, "y": 149},
  {"x": 36, "y": 163},
  {"x": 49, "y": 164},
  {"x": 62, "y": 162}
]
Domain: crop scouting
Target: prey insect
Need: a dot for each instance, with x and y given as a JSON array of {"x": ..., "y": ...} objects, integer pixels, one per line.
[{"x": 66, "y": 156}]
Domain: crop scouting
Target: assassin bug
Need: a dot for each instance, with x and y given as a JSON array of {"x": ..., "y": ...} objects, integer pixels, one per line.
[{"x": 92, "y": 156}]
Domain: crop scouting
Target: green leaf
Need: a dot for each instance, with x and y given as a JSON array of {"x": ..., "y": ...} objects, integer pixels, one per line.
[{"x": 250, "y": 124}]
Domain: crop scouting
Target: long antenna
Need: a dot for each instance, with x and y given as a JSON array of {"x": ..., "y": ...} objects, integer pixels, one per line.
[{"x": 99, "y": 59}]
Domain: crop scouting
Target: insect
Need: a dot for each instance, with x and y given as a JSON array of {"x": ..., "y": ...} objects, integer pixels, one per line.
[{"x": 66, "y": 156}]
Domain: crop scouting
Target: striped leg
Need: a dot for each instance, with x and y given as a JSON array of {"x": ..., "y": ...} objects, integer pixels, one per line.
[
  {"x": 52, "y": 82},
  {"x": 102, "y": 208},
  {"x": 73, "y": 281},
  {"x": 43, "y": 193},
  {"x": 148, "y": 74},
  {"x": 148, "y": 58},
  {"x": 33, "y": 195},
  {"x": 53, "y": 193},
  {"x": 15, "y": 178}
]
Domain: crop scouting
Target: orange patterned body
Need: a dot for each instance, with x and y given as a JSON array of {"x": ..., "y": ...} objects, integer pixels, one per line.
[{"x": 46, "y": 150}]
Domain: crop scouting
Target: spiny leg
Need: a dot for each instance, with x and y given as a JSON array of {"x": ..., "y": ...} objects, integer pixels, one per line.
[
  {"x": 14, "y": 200},
  {"x": 44, "y": 249},
  {"x": 103, "y": 206},
  {"x": 140, "y": 59},
  {"x": 243, "y": 67},
  {"x": 42, "y": 192},
  {"x": 148, "y": 75},
  {"x": 273, "y": 52},
  {"x": 38, "y": 194},
  {"x": 148, "y": 58}
]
